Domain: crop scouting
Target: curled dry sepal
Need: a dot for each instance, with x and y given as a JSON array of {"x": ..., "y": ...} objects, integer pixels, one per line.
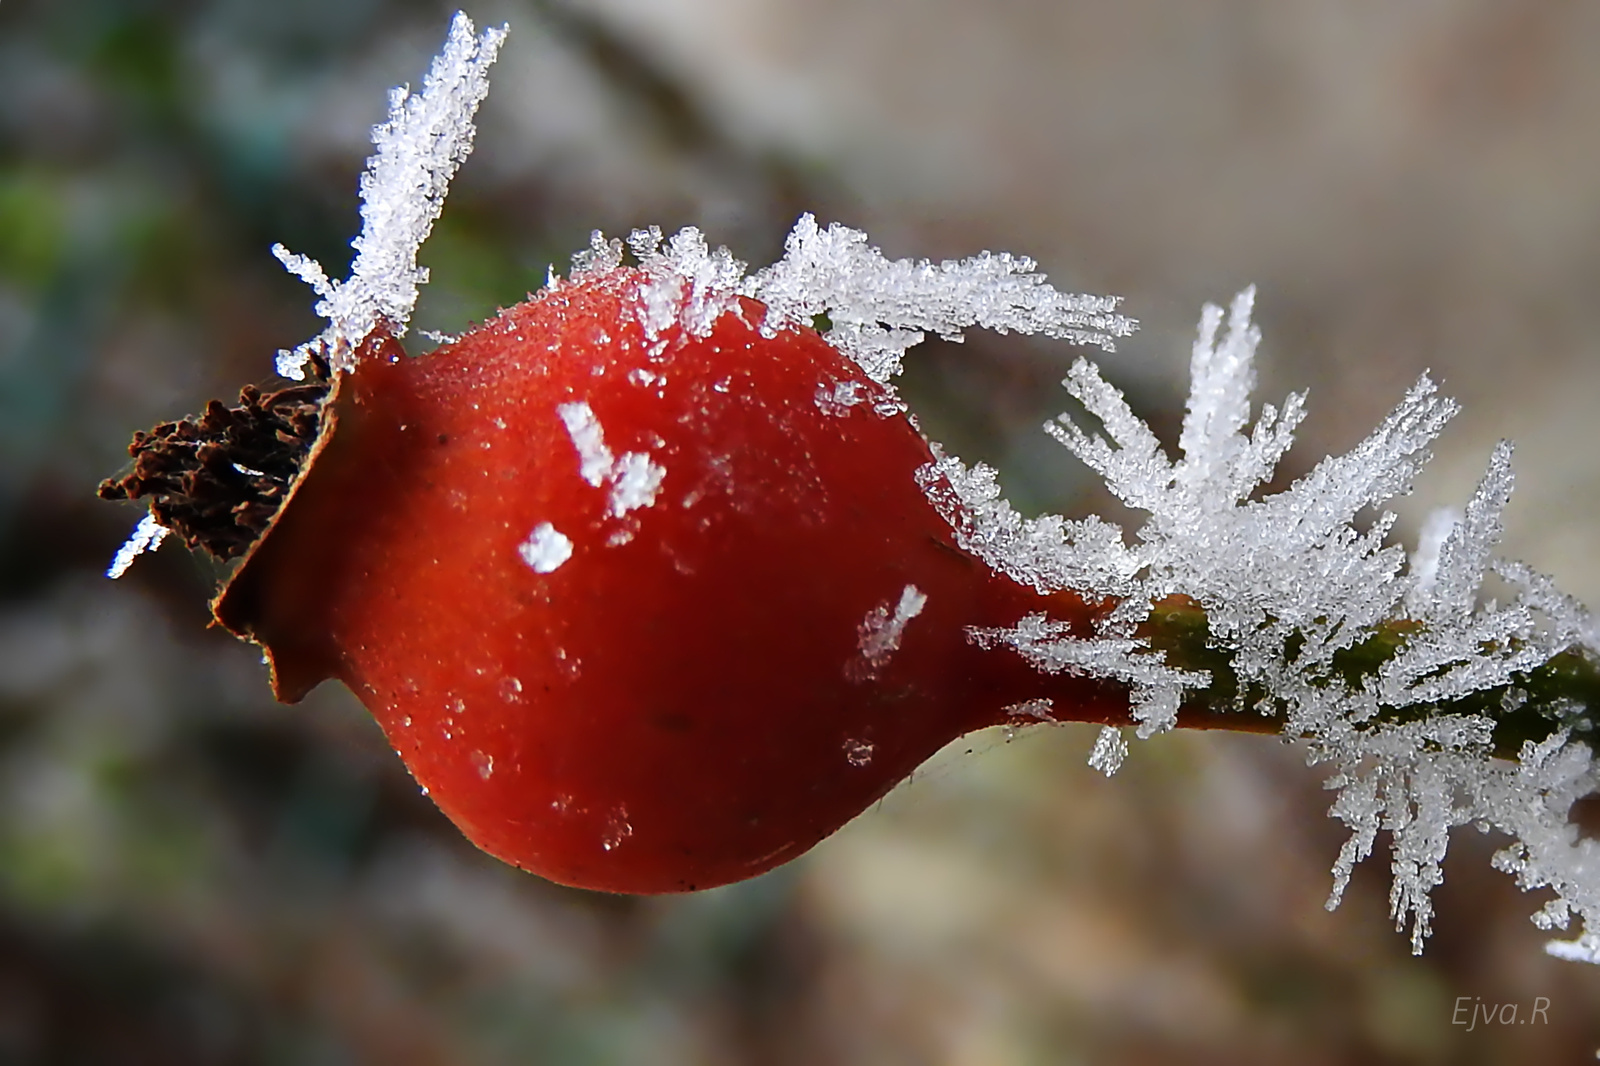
[{"x": 652, "y": 586}]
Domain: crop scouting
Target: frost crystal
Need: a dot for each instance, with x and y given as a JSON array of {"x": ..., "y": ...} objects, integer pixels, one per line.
[
  {"x": 1293, "y": 590},
  {"x": 635, "y": 478},
  {"x": 1109, "y": 750},
  {"x": 880, "y": 307},
  {"x": 426, "y": 137},
  {"x": 545, "y": 549},
  {"x": 589, "y": 439},
  {"x": 146, "y": 537},
  {"x": 1037, "y": 709},
  {"x": 878, "y": 635}
]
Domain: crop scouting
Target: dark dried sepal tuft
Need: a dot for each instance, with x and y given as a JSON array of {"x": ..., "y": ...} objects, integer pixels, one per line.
[{"x": 217, "y": 480}]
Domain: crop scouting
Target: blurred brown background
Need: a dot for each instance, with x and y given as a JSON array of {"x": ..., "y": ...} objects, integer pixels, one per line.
[{"x": 192, "y": 874}]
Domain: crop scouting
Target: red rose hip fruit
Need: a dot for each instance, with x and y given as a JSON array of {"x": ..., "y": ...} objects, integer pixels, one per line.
[{"x": 642, "y": 610}]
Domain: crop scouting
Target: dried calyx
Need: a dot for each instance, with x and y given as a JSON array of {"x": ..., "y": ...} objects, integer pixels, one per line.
[{"x": 218, "y": 480}]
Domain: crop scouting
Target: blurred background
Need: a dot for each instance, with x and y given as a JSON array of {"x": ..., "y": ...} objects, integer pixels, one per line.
[{"x": 190, "y": 873}]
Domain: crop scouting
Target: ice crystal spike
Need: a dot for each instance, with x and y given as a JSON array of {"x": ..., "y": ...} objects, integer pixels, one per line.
[
  {"x": 1109, "y": 750},
  {"x": 146, "y": 537},
  {"x": 880, "y": 307},
  {"x": 427, "y": 136}
]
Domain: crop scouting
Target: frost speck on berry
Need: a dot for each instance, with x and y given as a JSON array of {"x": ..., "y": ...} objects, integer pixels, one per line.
[
  {"x": 594, "y": 458},
  {"x": 879, "y": 634},
  {"x": 426, "y": 137},
  {"x": 545, "y": 549},
  {"x": 635, "y": 478}
]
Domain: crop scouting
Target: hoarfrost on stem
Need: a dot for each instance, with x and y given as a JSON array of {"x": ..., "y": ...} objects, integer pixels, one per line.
[{"x": 1288, "y": 584}]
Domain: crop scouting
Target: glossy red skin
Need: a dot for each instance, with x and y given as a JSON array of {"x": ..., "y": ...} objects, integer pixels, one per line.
[{"x": 683, "y": 702}]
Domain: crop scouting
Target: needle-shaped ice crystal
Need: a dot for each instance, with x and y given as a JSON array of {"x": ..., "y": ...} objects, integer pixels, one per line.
[
  {"x": 146, "y": 537},
  {"x": 880, "y": 307},
  {"x": 427, "y": 136}
]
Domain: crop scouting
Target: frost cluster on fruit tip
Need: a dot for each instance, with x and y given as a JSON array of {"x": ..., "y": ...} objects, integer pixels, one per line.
[
  {"x": 427, "y": 136},
  {"x": 1290, "y": 580}
]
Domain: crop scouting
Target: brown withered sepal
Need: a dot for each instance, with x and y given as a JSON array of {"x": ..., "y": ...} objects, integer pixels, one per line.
[{"x": 217, "y": 480}]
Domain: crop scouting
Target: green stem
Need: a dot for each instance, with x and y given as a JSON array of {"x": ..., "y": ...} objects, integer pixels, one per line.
[{"x": 1561, "y": 693}]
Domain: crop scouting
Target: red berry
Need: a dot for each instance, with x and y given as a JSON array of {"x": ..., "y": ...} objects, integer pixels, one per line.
[{"x": 641, "y": 613}]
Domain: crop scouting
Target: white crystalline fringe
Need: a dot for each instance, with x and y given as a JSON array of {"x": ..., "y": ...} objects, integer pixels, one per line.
[
  {"x": 877, "y": 307},
  {"x": 426, "y": 137},
  {"x": 1289, "y": 580},
  {"x": 146, "y": 537}
]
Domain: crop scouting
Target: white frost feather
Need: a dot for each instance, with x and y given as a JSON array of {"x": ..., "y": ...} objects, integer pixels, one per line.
[{"x": 426, "y": 137}]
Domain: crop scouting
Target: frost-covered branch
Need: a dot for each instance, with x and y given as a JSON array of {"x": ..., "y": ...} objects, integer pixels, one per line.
[{"x": 1435, "y": 706}]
